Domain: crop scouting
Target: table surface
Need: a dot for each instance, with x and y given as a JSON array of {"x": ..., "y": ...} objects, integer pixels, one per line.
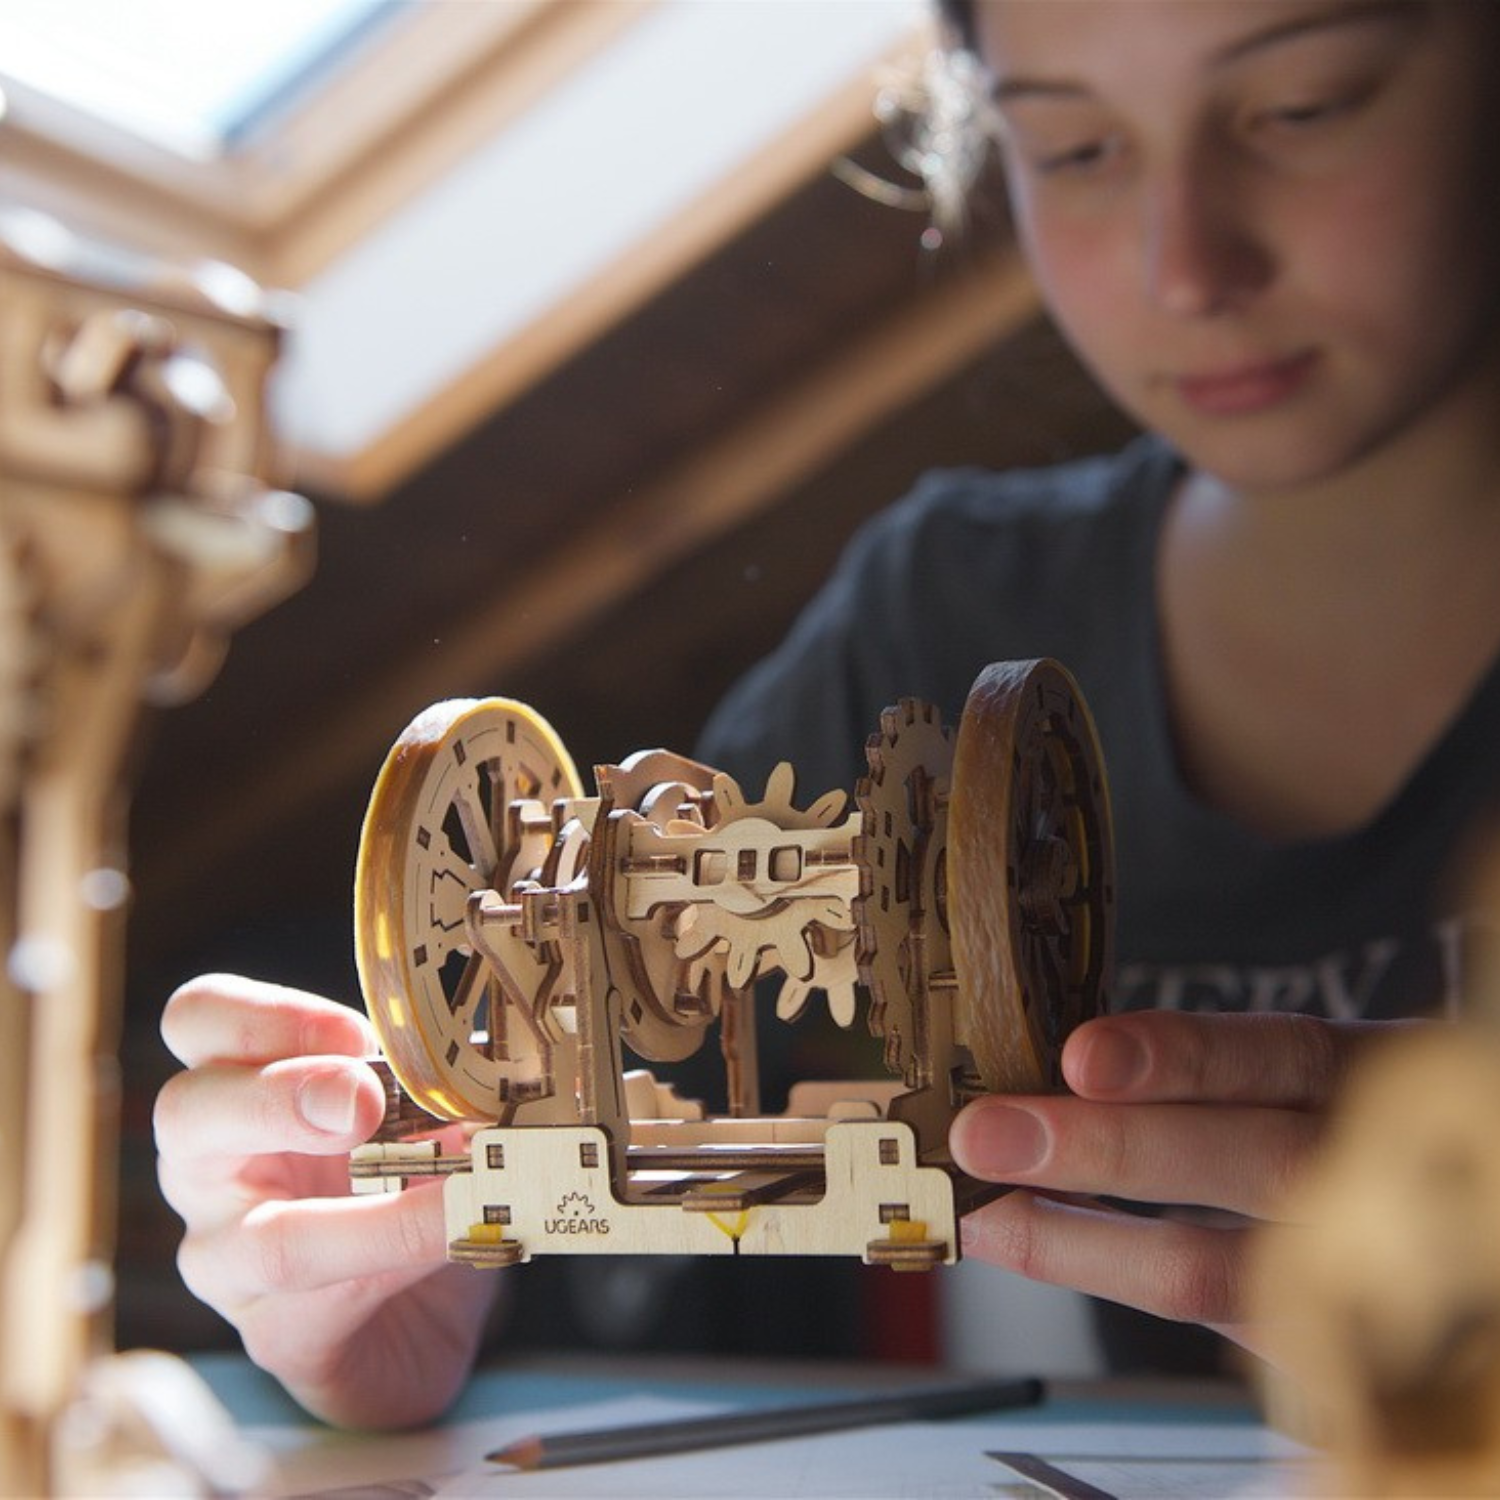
[{"x": 1097, "y": 1439}]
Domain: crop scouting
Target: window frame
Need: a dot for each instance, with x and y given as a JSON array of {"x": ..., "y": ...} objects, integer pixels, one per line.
[{"x": 420, "y": 92}]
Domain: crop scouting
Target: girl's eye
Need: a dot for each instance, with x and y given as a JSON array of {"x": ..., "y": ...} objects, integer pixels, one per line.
[
  {"x": 1308, "y": 113},
  {"x": 1071, "y": 159},
  {"x": 1083, "y": 157}
]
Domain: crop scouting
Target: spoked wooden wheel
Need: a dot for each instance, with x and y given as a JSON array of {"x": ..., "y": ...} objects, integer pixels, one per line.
[
  {"x": 1030, "y": 873},
  {"x": 461, "y": 805}
]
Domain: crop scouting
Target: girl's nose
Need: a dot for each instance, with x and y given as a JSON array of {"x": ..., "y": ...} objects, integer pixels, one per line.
[{"x": 1202, "y": 256}]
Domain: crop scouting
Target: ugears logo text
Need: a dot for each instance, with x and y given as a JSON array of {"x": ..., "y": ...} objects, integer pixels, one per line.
[{"x": 575, "y": 1215}]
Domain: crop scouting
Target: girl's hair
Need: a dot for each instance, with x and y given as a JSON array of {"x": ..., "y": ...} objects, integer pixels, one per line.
[
  {"x": 955, "y": 127},
  {"x": 939, "y": 126},
  {"x": 957, "y": 17}
]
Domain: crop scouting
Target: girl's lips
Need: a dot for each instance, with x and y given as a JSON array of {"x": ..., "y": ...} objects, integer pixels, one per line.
[{"x": 1246, "y": 389}]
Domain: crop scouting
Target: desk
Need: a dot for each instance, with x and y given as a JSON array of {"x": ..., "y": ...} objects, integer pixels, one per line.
[{"x": 1122, "y": 1439}]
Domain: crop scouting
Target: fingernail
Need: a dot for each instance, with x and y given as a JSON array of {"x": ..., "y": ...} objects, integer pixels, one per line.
[
  {"x": 1113, "y": 1063},
  {"x": 327, "y": 1102},
  {"x": 993, "y": 1140}
]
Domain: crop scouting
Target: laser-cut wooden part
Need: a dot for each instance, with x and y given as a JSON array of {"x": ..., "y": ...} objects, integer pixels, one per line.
[
  {"x": 644, "y": 914},
  {"x": 732, "y": 891},
  {"x": 1030, "y": 873},
  {"x": 857, "y": 1189},
  {"x": 649, "y": 806},
  {"x": 457, "y": 813},
  {"x": 904, "y": 953}
]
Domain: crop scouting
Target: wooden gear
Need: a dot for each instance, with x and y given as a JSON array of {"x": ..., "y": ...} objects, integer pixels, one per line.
[{"x": 514, "y": 935}]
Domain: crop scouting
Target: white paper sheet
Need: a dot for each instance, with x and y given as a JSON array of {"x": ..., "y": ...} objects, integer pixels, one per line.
[{"x": 939, "y": 1461}]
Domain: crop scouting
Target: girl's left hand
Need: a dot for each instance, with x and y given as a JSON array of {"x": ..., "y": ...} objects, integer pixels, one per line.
[{"x": 1207, "y": 1112}]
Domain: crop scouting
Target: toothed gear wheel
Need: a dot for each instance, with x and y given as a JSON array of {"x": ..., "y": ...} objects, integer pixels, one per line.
[
  {"x": 901, "y": 910},
  {"x": 721, "y": 893},
  {"x": 814, "y": 947},
  {"x": 667, "y": 1002}
]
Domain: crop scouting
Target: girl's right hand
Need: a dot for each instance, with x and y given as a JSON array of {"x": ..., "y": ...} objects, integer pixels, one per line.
[{"x": 349, "y": 1301}]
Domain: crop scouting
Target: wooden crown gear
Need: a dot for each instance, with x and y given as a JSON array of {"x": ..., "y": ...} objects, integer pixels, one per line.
[{"x": 514, "y": 935}]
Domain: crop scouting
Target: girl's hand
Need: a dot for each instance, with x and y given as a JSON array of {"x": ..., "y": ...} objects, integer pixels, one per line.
[
  {"x": 1205, "y": 1112},
  {"x": 348, "y": 1301}
]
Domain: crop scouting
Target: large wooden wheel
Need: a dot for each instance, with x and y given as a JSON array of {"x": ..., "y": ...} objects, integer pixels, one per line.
[
  {"x": 1030, "y": 873},
  {"x": 461, "y": 805}
]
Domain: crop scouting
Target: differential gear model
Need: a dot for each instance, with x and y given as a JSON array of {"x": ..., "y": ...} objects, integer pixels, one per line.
[{"x": 515, "y": 935}]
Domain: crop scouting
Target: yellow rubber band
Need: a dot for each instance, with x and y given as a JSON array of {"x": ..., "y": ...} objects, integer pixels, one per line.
[{"x": 736, "y": 1228}]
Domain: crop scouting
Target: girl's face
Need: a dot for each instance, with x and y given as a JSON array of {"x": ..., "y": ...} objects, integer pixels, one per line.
[{"x": 1269, "y": 227}]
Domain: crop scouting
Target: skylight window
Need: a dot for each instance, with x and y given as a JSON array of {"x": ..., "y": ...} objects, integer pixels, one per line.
[
  {"x": 191, "y": 76},
  {"x": 436, "y": 179}
]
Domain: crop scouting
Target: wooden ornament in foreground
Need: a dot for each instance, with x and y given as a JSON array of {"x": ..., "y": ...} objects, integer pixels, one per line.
[
  {"x": 1380, "y": 1293},
  {"x": 1378, "y": 1288},
  {"x": 514, "y": 936}
]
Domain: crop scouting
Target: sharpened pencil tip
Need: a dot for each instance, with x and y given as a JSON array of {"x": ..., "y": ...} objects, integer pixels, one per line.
[{"x": 524, "y": 1453}]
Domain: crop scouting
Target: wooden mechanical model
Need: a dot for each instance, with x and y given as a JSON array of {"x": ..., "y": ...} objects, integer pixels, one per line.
[
  {"x": 515, "y": 936},
  {"x": 137, "y": 531}
]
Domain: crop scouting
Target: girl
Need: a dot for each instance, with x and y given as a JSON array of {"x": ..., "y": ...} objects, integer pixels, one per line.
[{"x": 1270, "y": 230}]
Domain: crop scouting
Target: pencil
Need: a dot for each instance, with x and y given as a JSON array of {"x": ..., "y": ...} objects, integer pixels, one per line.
[{"x": 722, "y": 1430}]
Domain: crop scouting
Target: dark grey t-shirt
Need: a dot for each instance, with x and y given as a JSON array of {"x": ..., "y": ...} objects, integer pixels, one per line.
[{"x": 975, "y": 567}]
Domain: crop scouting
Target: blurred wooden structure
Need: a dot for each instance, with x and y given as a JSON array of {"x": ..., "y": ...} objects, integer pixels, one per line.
[
  {"x": 1381, "y": 1289},
  {"x": 137, "y": 530}
]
